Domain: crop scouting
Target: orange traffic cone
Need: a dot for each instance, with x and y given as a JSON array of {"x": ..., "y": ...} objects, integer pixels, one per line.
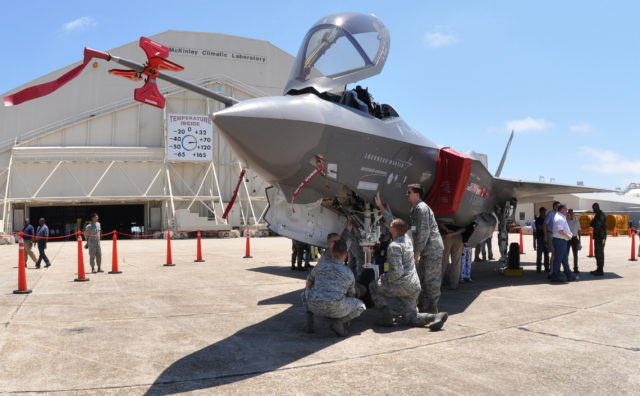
[
  {"x": 615, "y": 232},
  {"x": 199, "y": 251},
  {"x": 169, "y": 261},
  {"x": 590, "y": 243},
  {"x": 247, "y": 250},
  {"x": 521, "y": 243},
  {"x": 114, "y": 255},
  {"x": 22, "y": 273},
  {"x": 633, "y": 249},
  {"x": 81, "y": 276}
]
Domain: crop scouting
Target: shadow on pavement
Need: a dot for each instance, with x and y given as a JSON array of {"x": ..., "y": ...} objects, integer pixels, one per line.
[
  {"x": 279, "y": 341},
  {"x": 254, "y": 350}
]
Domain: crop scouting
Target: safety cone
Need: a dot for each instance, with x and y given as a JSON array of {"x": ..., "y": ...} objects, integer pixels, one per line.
[
  {"x": 22, "y": 273},
  {"x": 247, "y": 251},
  {"x": 81, "y": 276},
  {"x": 633, "y": 249},
  {"x": 521, "y": 242},
  {"x": 114, "y": 255},
  {"x": 615, "y": 232},
  {"x": 590, "y": 243},
  {"x": 169, "y": 261},
  {"x": 199, "y": 251}
]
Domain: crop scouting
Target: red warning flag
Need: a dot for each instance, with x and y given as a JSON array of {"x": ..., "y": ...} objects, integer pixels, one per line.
[{"x": 43, "y": 89}]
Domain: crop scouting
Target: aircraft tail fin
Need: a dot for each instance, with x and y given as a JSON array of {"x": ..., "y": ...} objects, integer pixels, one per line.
[{"x": 504, "y": 156}]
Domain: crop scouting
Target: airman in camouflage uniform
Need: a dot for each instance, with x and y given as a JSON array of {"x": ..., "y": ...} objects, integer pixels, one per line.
[
  {"x": 330, "y": 292},
  {"x": 92, "y": 233},
  {"x": 326, "y": 255},
  {"x": 427, "y": 247},
  {"x": 355, "y": 253},
  {"x": 599, "y": 224},
  {"x": 398, "y": 288}
]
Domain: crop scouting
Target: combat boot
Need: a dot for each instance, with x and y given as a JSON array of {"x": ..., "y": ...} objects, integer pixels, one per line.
[
  {"x": 309, "y": 326},
  {"x": 438, "y": 321},
  {"x": 419, "y": 320},
  {"x": 337, "y": 326},
  {"x": 432, "y": 308},
  {"x": 384, "y": 319}
]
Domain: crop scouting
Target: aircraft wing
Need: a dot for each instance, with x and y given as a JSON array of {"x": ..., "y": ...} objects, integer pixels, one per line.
[{"x": 528, "y": 191}]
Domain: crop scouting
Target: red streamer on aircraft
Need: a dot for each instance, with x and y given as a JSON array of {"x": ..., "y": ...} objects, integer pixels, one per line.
[
  {"x": 43, "y": 89},
  {"x": 233, "y": 198},
  {"x": 319, "y": 169}
]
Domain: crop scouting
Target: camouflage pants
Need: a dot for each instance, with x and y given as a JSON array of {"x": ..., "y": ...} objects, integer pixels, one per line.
[
  {"x": 348, "y": 308},
  {"x": 429, "y": 270},
  {"x": 95, "y": 255},
  {"x": 399, "y": 300}
]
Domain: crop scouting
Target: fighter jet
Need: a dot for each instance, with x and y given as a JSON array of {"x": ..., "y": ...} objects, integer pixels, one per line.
[{"x": 327, "y": 150}]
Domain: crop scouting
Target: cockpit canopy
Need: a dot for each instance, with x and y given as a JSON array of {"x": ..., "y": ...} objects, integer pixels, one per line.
[{"x": 338, "y": 50}]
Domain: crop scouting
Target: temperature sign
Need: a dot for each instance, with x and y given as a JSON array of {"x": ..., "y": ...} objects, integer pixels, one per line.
[{"x": 189, "y": 137}]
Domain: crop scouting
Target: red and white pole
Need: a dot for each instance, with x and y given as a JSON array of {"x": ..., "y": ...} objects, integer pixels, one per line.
[
  {"x": 22, "y": 273},
  {"x": 521, "y": 242}
]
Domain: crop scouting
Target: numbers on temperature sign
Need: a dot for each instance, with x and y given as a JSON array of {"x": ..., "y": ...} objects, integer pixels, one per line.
[{"x": 189, "y": 137}]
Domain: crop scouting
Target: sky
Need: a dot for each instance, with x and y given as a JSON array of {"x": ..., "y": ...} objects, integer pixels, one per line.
[{"x": 562, "y": 74}]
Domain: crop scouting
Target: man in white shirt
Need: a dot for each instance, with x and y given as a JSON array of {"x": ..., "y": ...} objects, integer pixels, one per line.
[
  {"x": 574, "y": 243},
  {"x": 561, "y": 234},
  {"x": 548, "y": 228}
]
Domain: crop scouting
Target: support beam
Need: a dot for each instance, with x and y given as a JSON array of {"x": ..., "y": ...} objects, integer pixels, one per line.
[
  {"x": 188, "y": 188},
  {"x": 47, "y": 179},
  {"x": 152, "y": 182},
  {"x": 246, "y": 189},
  {"x": 200, "y": 187},
  {"x": 6, "y": 192},
  {"x": 101, "y": 177}
]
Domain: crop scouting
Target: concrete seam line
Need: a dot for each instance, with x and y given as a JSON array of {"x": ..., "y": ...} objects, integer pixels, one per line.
[{"x": 632, "y": 349}]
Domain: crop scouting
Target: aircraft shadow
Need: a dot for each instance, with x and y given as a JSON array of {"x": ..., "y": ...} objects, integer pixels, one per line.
[{"x": 279, "y": 341}]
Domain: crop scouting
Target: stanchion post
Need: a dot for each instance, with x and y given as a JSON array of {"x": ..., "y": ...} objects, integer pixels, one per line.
[
  {"x": 169, "y": 262},
  {"x": 81, "y": 275},
  {"x": 521, "y": 242},
  {"x": 590, "y": 242},
  {"x": 199, "y": 251},
  {"x": 247, "y": 251},
  {"x": 633, "y": 247},
  {"x": 114, "y": 255},
  {"x": 22, "y": 273}
]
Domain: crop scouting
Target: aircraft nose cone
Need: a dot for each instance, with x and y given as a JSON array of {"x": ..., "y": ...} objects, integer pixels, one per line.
[{"x": 272, "y": 135}]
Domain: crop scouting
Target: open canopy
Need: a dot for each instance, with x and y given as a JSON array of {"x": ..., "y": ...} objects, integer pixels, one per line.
[{"x": 340, "y": 49}]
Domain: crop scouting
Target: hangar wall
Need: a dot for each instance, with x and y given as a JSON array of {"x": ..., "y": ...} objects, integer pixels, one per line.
[{"x": 90, "y": 143}]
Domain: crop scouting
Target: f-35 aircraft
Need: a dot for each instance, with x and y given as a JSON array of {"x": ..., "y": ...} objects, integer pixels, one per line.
[{"x": 327, "y": 150}]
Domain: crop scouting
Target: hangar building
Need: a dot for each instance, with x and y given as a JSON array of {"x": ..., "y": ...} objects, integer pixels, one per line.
[{"x": 90, "y": 147}]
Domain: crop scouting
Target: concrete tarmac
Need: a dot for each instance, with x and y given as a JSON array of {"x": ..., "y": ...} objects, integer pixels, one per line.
[{"x": 233, "y": 326}]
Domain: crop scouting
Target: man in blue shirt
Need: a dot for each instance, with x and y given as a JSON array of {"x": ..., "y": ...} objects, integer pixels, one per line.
[
  {"x": 42, "y": 233},
  {"x": 29, "y": 236}
]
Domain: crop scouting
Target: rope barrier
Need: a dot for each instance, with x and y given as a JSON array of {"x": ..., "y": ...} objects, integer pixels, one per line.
[{"x": 155, "y": 234}]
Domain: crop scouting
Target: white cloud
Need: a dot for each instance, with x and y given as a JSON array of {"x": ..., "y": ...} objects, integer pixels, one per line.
[
  {"x": 80, "y": 24},
  {"x": 609, "y": 162},
  {"x": 528, "y": 124},
  {"x": 582, "y": 127},
  {"x": 440, "y": 37}
]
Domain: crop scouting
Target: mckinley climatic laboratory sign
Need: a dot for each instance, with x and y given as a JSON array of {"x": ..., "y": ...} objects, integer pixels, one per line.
[{"x": 189, "y": 137}]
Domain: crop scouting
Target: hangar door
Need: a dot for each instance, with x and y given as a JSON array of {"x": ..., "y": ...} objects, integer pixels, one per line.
[{"x": 64, "y": 220}]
